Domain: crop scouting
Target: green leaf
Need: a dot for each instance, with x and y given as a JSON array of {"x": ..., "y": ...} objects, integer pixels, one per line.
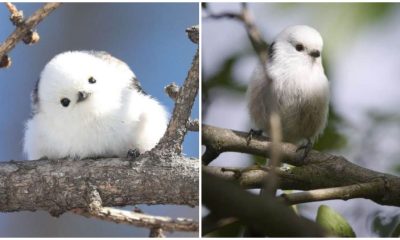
[{"x": 333, "y": 222}]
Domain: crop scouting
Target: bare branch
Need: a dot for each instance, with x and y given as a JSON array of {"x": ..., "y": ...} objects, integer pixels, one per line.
[
  {"x": 141, "y": 219},
  {"x": 57, "y": 186},
  {"x": 272, "y": 180},
  {"x": 176, "y": 131},
  {"x": 26, "y": 26},
  {"x": 16, "y": 17},
  {"x": 260, "y": 46},
  {"x": 321, "y": 171},
  {"x": 362, "y": 190}
]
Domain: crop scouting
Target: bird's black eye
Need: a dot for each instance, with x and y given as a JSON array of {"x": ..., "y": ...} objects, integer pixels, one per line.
[
  {"x": 299, "y": 47},
  {"x": 92, "y": 80},
  {"x": 65, "y": 102}
]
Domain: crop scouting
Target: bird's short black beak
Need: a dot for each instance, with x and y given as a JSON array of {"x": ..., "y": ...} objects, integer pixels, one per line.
[
  {"x": 82, "y": 95},
  {"x": 315, "y": 54}
]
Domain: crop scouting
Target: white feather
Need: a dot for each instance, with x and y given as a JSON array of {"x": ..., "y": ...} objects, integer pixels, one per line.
[
  {"x": 112, "y": 120},
  {"x": 296, "y": 87}
]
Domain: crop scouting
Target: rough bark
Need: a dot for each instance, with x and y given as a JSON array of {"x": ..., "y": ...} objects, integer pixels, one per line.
[
  {"x": 319, "y": 170},
  {"x": 61, "y": 185}
]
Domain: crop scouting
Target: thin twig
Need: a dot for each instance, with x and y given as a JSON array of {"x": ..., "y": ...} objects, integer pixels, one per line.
[
  {"x": 362, "y": 190},
  {"x": 16, "y": 17},
  {"x": 141, "y": 219},
  {"x": 11, "y": 7},
  {"x": 260, "y": 46},
  {"x": 271, "y": 181},
  {"x": 22, "y": 29}
]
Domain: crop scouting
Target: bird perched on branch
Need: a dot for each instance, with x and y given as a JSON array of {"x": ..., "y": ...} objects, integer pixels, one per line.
[
  {"x": 295, "y": 87},
  {"x": 90, "y": 104}
]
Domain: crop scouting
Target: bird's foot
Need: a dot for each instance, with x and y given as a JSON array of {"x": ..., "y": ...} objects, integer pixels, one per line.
[
  {"x": 306, "y": 148},
  {"x": 133, "y": 153},
  {"x": 252, "y": 133}
]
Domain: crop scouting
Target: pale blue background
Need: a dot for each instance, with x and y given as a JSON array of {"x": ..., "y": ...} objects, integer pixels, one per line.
[{"x": 150, "y": 38}]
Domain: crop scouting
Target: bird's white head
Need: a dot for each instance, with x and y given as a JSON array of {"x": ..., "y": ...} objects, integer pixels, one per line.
[
  {"x": 300, "y": 44},
  {"x": 82, "y": 84}
]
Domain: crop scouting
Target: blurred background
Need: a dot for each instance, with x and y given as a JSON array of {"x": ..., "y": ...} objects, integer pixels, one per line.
[
  {"x": 150, "y": 38},
  {"x": 361, "y": 59}
]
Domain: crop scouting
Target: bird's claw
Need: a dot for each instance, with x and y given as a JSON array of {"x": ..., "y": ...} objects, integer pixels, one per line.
[
  {"x": 133, "y": 153},
  {"x": 307, "y": 148},
  {"x": 252, "y": 133}
]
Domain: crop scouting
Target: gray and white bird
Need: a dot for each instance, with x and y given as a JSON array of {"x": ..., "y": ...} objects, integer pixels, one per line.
[
  {"x": 90, "y": 104},
  {"x": 295, "y": 87}
]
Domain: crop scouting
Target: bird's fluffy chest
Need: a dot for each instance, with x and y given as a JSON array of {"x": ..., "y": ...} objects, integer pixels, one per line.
[
  {"x": 302, "y": 98},
  {"x": 87, "y": 135}
]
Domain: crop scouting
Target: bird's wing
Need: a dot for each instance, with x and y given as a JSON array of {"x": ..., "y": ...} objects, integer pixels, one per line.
[{"x": 35, "y": 98}]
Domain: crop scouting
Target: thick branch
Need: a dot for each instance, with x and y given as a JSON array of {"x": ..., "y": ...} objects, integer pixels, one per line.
[
  {"x": 61, "y": 185},
  {"x": 176, "y": 131},
  {"x": 322, "y": 170},
  {"x": 265, "y": 215},
  {"x": 22, "y": 29}
]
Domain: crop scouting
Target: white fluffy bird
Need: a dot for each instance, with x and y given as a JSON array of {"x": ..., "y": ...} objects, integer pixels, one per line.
[
  {"x": 295, "y": 87},
  {"x": 90, "y": 104}
]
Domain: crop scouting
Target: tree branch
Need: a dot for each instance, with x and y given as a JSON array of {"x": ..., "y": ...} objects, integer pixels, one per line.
[
  {"x": 258, "y": 43},
  {"x": 23, "y": 28},
  {"x": 322, "y": 170},
  {"x": 16, "y": 17},
  {"x": 265, "y": 215},
  {"x": 362, "y": 190},
  {"x": 177, "y": 127},
  {"x": 141, "y": 220},
  {"x": 57, "y": 186}
]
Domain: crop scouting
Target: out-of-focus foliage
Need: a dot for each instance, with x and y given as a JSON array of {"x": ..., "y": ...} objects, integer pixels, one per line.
[
  {"x": 396, "y": 231},
  {"x": 222, "y": 79},
  {"x": 343, "y": 20},
  {"x": 331, "y": 138},
  {"x": 386, "y": 226},
  {"x": 397, "y": 168},
  {"x": 333, "y": 222}
]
